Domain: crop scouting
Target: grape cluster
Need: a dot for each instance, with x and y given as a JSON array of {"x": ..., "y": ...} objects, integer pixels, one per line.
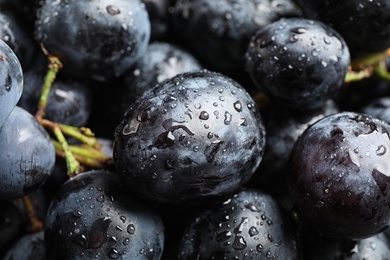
[{"x": 194, "y": 129}]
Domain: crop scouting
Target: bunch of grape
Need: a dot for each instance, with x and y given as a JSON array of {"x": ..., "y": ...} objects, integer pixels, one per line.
[{"x": 194, "y": 129}]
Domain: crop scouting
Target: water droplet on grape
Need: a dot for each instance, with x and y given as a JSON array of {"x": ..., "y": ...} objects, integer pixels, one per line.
[
  {"x": 113, "y": 10},
  {"x": 237, "y": 106},
  {"x": 113, "y": 253},
  {"x": 131, "y": 229},
  {"x": 204, "y": 115}
]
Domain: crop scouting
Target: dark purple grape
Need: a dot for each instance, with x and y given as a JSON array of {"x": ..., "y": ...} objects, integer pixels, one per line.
[
  {"x": 28, "y": 247},
  {"x": 248, "y": 225},
  {"x": 298, "y": 61},
  {"x": 11, "y": 81},
  {"x": 193, "y": 137},
  {"x": 93, "y": 216},
  {"x": 365, "y": 25},
  {"x": 218, "y": 32},
  {"x": 69, "y": 100},
  {"x": 97, "y": 39},
  {"x": 28, "y": 156},
  {"x": 340, "y": 175}
]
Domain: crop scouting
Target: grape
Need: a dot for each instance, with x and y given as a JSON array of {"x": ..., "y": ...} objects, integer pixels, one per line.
[
  {"x": 29, "y": 157},
  {"x": 298, "y": 61},
  {"x": 364, "y": 25},
  {"x": 70, "y": 98},
  {"x": 250, "y": 224},
  {"x": 218, "y": 32},
  {"x": 11, "y": 81},
  {"x": 28, "y": 247},
  {"x": 195, "y": 136},
  {"x": 95, "y": 39},
  {"x": 93, "y": 216},
  {"x": 339, "y": 176}
]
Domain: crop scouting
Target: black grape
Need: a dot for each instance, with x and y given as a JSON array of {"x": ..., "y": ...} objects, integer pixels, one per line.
[
  {"x": 365, "y": 25},
  {"x": 95, "y": 39},
  {"x": 195, "y": 136},
  {"x": 28, "y": 155},
  {"x": 339, "y": 176},
  {"x": 298, "y": 61},
  {"x": 218, "y": 32},
  {"x": 11, "y": 81},
  {"x": 248, "y": 225},
  {"x": 93, "y": 216}
]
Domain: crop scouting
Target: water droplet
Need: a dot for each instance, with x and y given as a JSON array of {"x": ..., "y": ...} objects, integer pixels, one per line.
[
  {"x": 239, "y": 243},
  {"x": 123, "y": 218},
  {"x": 223, "y": 236},
  {"x": 381, "y": 150},
  {"x": 237, "y": 106},
  {"x": 315, "y": 52},
  {"x": 112, "y": 240},
  {"x": 259, "y": 248},
  {"x": 113, "y": 253},
  {"x": 298, "y": 30},
  {"x": 126, "y": 241},
  {"x": 142, "y": 251},
  {"x": 131, "y": 229},
  {"x": 253, "y": 231},
  {"x": 113, "y": 10},
  {"x": 196, "y": 148},
  {"x": 118, "y": 228},
  {"x": 204, "y": 115},
  {"x": 77, "y": 213},
  {"x": 228, "y": 118},
  {"x": 221, "y": 98},
  {"x": 100, "y": 198},
  {"x": 80, "y": 240},
  {"x": 252, "y": 207},
  {"x": 169, "y": 98},
  {"x": 197, "y": 106}
]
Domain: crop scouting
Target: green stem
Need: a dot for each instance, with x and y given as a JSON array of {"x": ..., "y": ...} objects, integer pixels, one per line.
[
  {"x": 84, "y": 135},
  {"x": 86, "y": 155},
  {"x": 357, "y": 75},
  {"x": 381, "y": 71},
  {"x": 53, "y": 67},
  {"x": 72, "y": 164}
]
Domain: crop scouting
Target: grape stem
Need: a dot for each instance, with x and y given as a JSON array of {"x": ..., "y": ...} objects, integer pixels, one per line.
[
  {"x": 367, "y": 66},
  {"x": 72, "y": 164},
  {"x": 76, "y": 157},
  {"x": 53, "y": 67},
  {"x": 35, "y": 224}
]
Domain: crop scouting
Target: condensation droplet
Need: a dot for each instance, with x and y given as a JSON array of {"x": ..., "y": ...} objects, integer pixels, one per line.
[
  {"x": 237, "y": 106},
  {"x": 204, "y": 115},
  {"x": 131, "y": 229},
  {"x": 113, "y": 10}
]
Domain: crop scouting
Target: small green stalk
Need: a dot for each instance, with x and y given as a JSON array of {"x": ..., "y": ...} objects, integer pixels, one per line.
[
  {"x": 54, "y": 66},
  {"x": 72, "y": 164}
]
